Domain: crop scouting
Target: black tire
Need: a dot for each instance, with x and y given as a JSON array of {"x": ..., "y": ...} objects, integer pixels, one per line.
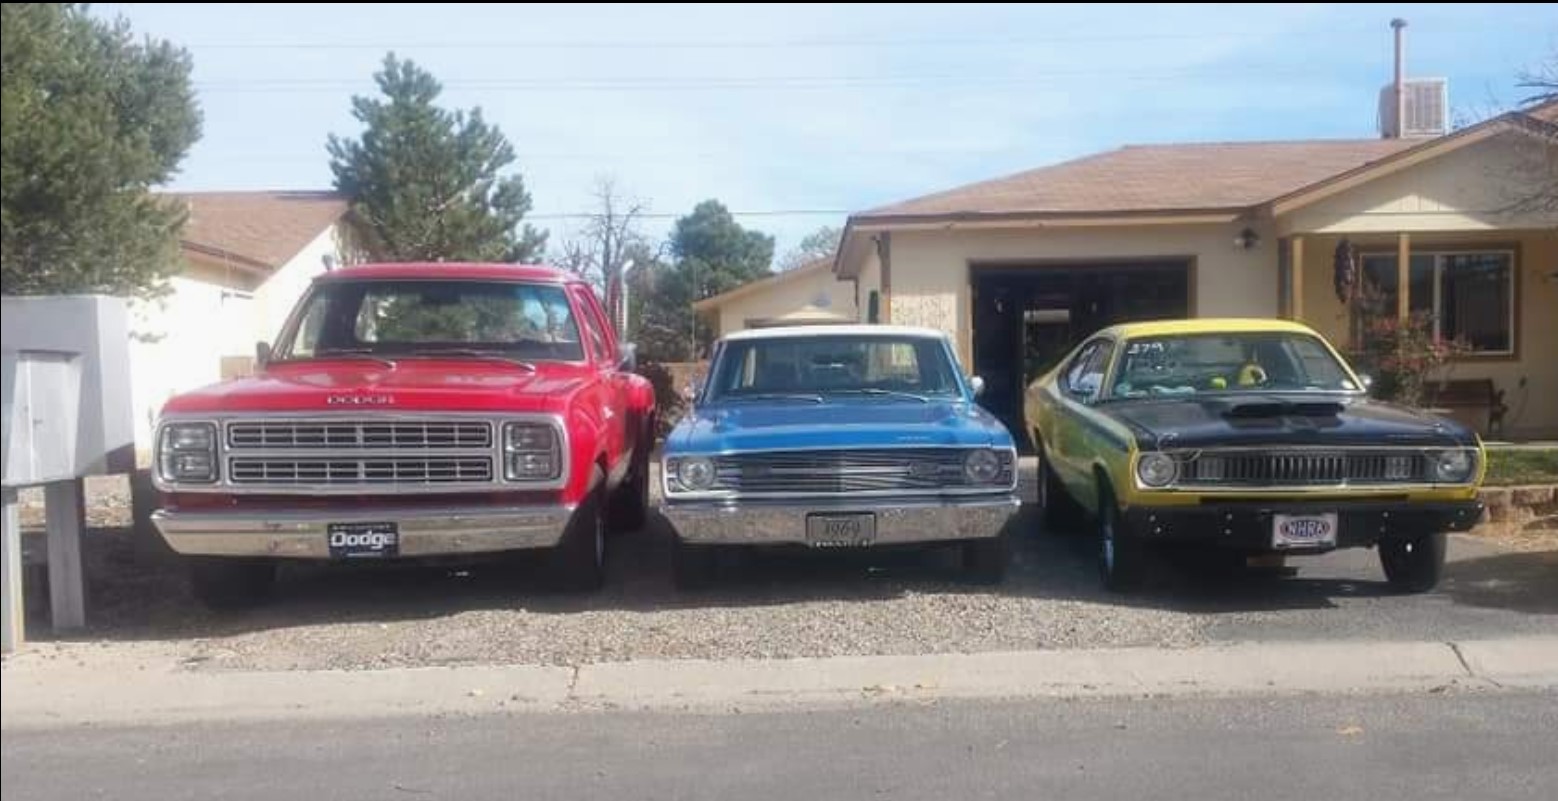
[
  {"x": 578, "y": 563},
  {"x": 693, "y": 566},
  {"x": 1057, "y": 511},
  {"x": 1122, "y": 560},
  {"x": 985, "y": 560},
  {"x": 1414, "y": 564},
  {"x": 231, "y": 583},
  {"x": 630, "y": 503}
]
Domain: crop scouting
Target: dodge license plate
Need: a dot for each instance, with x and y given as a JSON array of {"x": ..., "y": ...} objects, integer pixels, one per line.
[
  {"x": 1303, "y": 531},
  {"x": 363, "y": 540},
  {"x": 840, "y": 531}
]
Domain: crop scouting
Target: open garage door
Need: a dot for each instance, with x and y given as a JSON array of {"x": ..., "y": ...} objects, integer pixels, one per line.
[{"x": 1027, "y": 316}]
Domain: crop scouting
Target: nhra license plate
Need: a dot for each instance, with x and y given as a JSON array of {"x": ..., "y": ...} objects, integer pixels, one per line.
[
  {"x": 840, "y": 531},
  {"x": 363, "y": 540},
  {"x": 1303, "y": 531}
]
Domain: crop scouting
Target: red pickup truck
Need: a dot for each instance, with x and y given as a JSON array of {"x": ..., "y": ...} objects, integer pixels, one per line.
[{"x": 412, "y": 410}]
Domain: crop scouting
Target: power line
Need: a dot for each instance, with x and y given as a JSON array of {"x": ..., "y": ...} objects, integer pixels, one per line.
[{"x": 585, "y": 215}]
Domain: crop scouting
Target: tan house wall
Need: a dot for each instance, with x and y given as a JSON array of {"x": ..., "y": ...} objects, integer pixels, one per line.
[
  {"x": 931, "y": 278},
  {"x": 1533, "y": 409},
  {"x": 786, "y": 296},
  {"x": 1470, "y": 189}
]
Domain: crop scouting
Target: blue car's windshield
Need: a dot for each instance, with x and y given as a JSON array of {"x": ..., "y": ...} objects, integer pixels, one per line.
[
  {"x": 1235, "y": 362},
  {"x": 830, "y": 366}
]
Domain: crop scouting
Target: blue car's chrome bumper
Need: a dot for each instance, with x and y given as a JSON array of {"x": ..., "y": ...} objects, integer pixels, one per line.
[{"x": 897, "y": 520}]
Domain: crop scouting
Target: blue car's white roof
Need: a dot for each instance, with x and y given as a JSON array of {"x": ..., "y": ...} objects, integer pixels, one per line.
[{"x": 835, "y": 330}]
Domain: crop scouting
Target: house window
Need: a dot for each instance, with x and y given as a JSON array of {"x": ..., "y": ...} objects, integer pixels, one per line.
[{"x": 1471, "y": 294}]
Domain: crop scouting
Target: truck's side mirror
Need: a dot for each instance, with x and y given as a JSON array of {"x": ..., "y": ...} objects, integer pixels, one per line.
[
  {"x": 261, "y": 355},
  {"x": 627, "y": 357},
  {"x": 691, "y": 392},
  {"x": 1367, "y": 381},
  {"x": 976, "y": 385}
]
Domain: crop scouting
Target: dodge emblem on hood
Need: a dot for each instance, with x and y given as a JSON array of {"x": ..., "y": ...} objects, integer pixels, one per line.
[{"x": 359, "y": 400}]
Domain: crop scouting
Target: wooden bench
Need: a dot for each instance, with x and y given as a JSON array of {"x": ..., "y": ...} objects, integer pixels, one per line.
[{"x": 1476, "y": 402}]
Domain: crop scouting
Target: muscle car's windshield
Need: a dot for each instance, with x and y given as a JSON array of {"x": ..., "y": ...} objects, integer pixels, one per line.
[
  {"x": 401, "y": 318},
  {"x": 1243, "y": 362},
  {"x": 866, "y": 367}
]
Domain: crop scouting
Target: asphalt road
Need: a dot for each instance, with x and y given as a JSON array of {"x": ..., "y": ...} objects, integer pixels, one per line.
[{"x": 1422, "y": 746}]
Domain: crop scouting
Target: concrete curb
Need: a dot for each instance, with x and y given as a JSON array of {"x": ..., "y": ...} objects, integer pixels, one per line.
[{"x": 147, "y": 687}]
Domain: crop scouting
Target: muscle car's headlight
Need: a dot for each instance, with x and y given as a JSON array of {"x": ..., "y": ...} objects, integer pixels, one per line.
[
  {"x": 530, "y": 452},
  {"x": 695, "y": 473},
  {"x": 982, "y": 466},
  {"x": 186, "y": 452},
  {"x": 1156, "y": 469},
  {"x": 1452, "y": 466}
]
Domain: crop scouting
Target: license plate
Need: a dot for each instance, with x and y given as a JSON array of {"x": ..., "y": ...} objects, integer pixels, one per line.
[
  {"x": 840, "y": 531},
  {"x": 363, "y": 540},
  {"x": 1303, "y": 531}
]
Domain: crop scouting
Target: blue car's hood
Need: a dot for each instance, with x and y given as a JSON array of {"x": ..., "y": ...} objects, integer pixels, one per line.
[{"x": 838, "y": 424}]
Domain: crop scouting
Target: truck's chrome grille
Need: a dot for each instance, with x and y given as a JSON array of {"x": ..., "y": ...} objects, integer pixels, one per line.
[
  {"x": 365, "y": 434},
  {"x": 1302, "y": 468},
  {"x": 325, "y": 471},
  {"x": 846, "y": 471}
]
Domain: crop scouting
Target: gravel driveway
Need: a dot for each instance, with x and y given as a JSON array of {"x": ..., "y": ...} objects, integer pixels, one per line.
[{"x": 363, "y": 616}]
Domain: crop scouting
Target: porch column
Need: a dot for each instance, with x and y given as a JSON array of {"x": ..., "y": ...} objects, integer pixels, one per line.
[
  {"x": 1403, "y": 274},
  {"x": 1296, "y": 278}
]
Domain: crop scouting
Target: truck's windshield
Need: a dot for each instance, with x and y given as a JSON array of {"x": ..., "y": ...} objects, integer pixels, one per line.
[
  {"x": 411, "y": 317},
  {"x": 812, "y": 366}
]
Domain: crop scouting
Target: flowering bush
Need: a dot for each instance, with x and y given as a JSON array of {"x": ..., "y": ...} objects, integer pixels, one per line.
[{"x": 1403, "y": 356}]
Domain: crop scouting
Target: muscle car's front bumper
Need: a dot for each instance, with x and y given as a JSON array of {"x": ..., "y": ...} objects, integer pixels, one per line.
[
  {"x": 303, "y": 534},
  {"x": 1247, "y": 525},
  {"x": 897, "y": 521}
]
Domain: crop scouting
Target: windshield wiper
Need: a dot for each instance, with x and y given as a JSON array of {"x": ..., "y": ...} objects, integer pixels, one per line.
[
  {"x": 775, "y": 396},
  {"x": 877, "y": 392},
  {"x": 472, "y": 353},
  {"x": 350, "y": 354}
]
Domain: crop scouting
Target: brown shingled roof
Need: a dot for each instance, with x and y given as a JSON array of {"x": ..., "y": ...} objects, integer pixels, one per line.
[
  {"x": 1143, "y": 178},
  {"x": 263, "y": 229}
]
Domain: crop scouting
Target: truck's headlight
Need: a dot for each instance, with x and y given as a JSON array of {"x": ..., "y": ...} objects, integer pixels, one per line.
[
  {"x": 186, "y": 453},
  {"x": 982, "y": 466},
  {"x": 695, "y": 473},
  {"x": 1453, "y": 466},
  {"x": 1156, "y": 470},
  {"x": 531, "y": 452}
]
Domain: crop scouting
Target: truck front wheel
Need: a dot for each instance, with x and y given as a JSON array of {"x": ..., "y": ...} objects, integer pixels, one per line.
[
  {"x": 630, "y": 503},
  {"x": 578, "y": 563},
  {"x": 231, "y": 583}
]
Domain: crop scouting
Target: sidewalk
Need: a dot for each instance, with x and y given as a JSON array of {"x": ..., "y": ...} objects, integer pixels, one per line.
[{"x": 76, "y": 685}]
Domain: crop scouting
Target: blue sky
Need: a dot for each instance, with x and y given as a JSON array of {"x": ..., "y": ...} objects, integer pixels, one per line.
[{"x": 817, "y": 108}]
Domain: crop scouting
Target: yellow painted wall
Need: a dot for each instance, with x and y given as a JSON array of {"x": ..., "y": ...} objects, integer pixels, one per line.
[
  {"x": 1533, "y": 409},
  {"x": 789, "y": 295},
  {"x": 931, "y": 278}
]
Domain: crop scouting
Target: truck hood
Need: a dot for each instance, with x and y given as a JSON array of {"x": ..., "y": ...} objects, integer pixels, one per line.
[
  {"x": 1276, "y": 420},
  {"x": 416, "y": 385},
  {"x": 837, "y": 424}
]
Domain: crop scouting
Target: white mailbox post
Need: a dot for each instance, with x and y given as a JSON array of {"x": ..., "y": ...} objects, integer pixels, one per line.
[{"x": 66, "y": 386}]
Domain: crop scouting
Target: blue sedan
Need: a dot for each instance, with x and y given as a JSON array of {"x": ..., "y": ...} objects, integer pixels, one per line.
[{"x": 838, "y": 437}]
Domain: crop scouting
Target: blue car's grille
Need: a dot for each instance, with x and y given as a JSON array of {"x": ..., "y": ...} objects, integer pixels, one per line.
[{"x": 846, "y": 471}]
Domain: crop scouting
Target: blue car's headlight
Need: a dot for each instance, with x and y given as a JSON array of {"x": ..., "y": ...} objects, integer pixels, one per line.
[{"x": 693, "y": 473}]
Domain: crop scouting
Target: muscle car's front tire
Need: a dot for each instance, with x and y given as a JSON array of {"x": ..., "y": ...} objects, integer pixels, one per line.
[
  {"x": 1414, "y": 564},
  {"x": 1121, "y": 558},
  {"x": 578, "y": 563},
  {"x": 985, "y": 560},
  {"x": 222, "y": 582}
]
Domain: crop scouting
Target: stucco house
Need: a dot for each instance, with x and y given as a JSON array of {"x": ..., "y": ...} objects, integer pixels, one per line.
[
  {"x": 806, "y": 295},
  {"x": 245, "y": 259},
  {"x": 1019, "y": 268}
]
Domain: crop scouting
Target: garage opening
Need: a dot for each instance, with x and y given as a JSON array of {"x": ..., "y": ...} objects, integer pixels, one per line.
[{"x": 1028, "y": 316}]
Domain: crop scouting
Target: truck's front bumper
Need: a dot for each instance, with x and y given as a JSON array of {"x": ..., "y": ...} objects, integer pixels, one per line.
[
  {"x": 1248, "y": 525},
  {"x": 898, "y": 522},
  {"x": 289, "y": 534}
]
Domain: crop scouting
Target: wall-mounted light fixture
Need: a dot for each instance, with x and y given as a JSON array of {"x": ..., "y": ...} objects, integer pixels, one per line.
[{"x": 1246, "y": 239}]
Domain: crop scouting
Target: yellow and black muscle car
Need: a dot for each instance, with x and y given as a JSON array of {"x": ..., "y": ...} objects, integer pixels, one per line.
[{"x": 1251, "y": 436}]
